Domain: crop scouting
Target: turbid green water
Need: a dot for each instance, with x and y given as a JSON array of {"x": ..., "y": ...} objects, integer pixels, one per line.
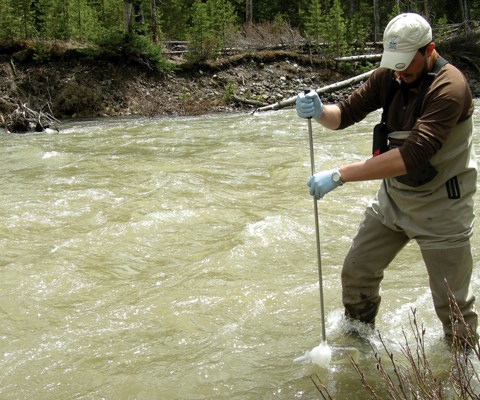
[{"x": 176, "y": 259}]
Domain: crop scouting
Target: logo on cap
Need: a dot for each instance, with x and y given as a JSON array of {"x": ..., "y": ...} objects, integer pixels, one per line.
[{"x": 393, "y": 43}]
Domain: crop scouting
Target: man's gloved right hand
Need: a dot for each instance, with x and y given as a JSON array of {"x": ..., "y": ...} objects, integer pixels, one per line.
[
  {"x": 309, "y": 105},
  {"x": 322, "y": 183}
]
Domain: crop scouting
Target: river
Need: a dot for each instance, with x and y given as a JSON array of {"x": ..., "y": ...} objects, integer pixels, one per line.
[{"x": 175, "y": 258}]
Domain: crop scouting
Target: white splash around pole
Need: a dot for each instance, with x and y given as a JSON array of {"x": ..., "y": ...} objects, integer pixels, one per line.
[{"x": 320, "y": 355}]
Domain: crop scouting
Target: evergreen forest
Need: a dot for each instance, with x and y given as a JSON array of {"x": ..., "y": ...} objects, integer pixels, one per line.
[{"x": 208, "y": 26}]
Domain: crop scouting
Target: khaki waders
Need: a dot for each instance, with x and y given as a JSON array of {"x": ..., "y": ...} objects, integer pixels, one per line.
[{"x": 373, "y": 249}]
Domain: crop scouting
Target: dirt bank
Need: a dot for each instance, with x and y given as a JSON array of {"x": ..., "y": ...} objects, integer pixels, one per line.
[
  {"x": 80, "y": 87},
  {"x": 84, "y": 88}
]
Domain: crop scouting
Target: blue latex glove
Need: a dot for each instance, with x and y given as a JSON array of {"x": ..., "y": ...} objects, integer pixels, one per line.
[
  {"x": 321, "y": 183},
  {"x": 309, "y": 105}
]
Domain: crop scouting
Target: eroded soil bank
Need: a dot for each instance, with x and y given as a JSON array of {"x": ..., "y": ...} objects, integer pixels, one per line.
[{"x": 75, "y": 86}]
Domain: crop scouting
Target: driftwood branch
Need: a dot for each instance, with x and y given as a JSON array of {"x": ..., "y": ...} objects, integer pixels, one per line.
[
  {"x": 326, "y": 89},
  {"x": 248, "y": 102},
  {"x": 12, "y": 65},
  {"x": 22, "y": 119}
]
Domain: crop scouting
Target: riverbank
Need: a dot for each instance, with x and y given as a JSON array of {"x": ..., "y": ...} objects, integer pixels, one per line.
[{"x": 76, "y": 86}]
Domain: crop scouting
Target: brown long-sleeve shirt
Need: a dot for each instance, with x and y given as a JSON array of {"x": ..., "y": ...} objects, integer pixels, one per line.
[{"x": 447, "y": 102}]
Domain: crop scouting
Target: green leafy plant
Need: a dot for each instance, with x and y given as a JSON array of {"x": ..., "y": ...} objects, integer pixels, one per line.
[{"x": 229, "y": 92}]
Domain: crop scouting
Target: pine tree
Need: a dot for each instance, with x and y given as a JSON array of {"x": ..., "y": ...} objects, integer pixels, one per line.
[
  {"x": 210, "y": 24},
  {"x": 359, "y": 26},
  {"x": 84, "y": 21},
  {"x": 111, "y": 15},
  {"x": 335, "y": 30},
  {"x": 314, "y": 22},
  {"x": 54, "y": 19},
  {"x": 222, "y": 18},
  {"x": 9, "y": 21},
  {"x": 200, "y": 34},
  {"x": 26, "y": 27},
  {"x": 176, "y": 15}
]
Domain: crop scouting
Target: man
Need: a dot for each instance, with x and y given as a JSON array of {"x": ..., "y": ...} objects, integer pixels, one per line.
[{"x": 428, "y": 172}]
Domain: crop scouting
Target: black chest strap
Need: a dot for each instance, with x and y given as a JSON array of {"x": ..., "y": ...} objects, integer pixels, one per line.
[
  {"x": 395, "y": 85},
  {"x": 426, "y": 84}
]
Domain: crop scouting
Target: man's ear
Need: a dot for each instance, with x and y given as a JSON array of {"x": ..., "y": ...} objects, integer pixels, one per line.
[{"x": 430, "y": 48}]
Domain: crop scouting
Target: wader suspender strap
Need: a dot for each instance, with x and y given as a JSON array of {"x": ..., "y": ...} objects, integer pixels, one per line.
[
  {"x": 428, "y": 81},
  {"x": 394, "y": 86},
  {"x": 380, "y": 131}
]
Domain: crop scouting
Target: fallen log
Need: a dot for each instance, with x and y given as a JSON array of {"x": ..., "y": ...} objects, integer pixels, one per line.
[
  {"x": 360, "y": 57},
  {"x": 326, "y": 89}
]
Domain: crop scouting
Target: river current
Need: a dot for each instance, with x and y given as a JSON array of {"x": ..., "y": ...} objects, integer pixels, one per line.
[{"x": 175, "y": 258}]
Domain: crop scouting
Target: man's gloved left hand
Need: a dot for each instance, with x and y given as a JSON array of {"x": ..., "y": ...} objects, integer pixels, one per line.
[
  {"x": 322, "y": 182},
  {"x": 309, "y": 105}
]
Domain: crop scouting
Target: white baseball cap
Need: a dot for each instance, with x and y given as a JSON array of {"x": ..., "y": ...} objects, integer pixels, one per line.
[{"x": 403, "y": 36}]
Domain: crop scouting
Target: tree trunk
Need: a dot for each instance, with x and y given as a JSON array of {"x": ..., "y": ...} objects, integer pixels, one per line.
[
  {"x": 138, "y": 12},
  {"x": 132, "y": 12},
  {"x": 465, "y": 10},
  {"x": 353, "y": 8},
  {"x": 154, "y": 27},
  {"x": 426, "y": 10},
  {"x": 376, "y": 21},
  {"x": 249, "y": 12},
  {"x": 127, "y": 14}
]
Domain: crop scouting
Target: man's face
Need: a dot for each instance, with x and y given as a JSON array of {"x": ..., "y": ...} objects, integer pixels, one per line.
[{"x": 416, "y": 70}]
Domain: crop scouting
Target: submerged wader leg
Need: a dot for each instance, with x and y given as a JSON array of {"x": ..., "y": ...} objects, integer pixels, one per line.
[
  {"x": 453, "y": 265},
  {"x": 372, "y": 250}
]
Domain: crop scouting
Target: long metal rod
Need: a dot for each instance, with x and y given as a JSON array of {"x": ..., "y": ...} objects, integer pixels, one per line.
[{"x": 317, "y": 234}]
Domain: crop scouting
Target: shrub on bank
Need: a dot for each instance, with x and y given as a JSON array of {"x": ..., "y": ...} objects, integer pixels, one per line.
[{"x": 411, "y": 375}]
